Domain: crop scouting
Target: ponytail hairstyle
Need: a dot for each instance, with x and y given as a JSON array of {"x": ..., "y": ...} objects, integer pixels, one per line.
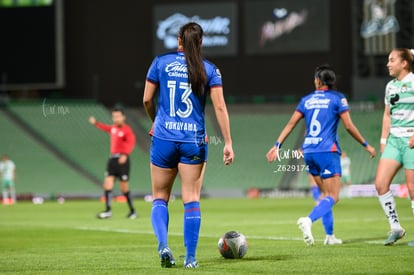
[
  {"x": 407, "y": 55},
  {"x": 326, "y": 74},
  {"x": 191, "y": 35}
]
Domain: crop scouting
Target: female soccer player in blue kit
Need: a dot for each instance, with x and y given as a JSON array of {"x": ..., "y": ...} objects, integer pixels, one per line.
[
  {"x": 178, "y": 145},
  {"x": 322, "y": 110}
]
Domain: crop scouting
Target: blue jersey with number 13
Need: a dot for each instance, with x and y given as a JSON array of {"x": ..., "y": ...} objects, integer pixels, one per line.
[
  {"x": 321, "y": 110},
  {"x": 180, "y": 112}
]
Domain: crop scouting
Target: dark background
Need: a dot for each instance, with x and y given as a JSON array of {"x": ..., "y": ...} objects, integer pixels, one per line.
[
  {"x": 108, "y": 47},
  {"x": 27, "y": 48},
  {"x": 108, "y": 51}
]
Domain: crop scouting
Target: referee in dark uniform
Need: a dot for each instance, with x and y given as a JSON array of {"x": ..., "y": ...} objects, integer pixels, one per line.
[{"x": 118, "y": 166}]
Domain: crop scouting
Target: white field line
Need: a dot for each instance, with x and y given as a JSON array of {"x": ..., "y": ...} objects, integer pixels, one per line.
[
  {"x": 273, "y": 238},
  {"x": 142, "y": 232}
]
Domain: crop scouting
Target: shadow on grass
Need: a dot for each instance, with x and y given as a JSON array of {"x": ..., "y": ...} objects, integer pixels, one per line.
[
  {"x": 252, "y": 259},
  {"x": 374, "y": 240}
]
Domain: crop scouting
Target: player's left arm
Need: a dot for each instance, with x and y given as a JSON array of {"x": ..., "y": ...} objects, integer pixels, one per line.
[
  {"x": 222, "y": 116},
  {"x": 354, "y": 132},
  {"x": 273, "y": 152}
]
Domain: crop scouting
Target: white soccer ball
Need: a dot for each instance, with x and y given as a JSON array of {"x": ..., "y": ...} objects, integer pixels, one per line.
[{"x": 232, "y": 245}]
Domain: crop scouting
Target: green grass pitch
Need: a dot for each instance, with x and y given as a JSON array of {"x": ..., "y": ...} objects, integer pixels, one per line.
[{"x": 66, "y": 238}]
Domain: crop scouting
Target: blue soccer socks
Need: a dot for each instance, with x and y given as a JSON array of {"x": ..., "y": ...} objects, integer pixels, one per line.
[
  {"x": 192, "y": 222},
  {"x": 328, "y": 223},
  {"x": 159, "y": 219},
  {"x": 316, "y": 192},
  {"x": 322, "y": 208}
]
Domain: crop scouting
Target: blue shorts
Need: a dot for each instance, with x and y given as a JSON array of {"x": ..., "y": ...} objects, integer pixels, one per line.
[
  {"x": 325, "y": 165},
  {"x": 167, "y": 154}
]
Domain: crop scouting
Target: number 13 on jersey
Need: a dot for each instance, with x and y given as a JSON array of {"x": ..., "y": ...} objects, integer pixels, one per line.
[{"x": 185, "y": 98}]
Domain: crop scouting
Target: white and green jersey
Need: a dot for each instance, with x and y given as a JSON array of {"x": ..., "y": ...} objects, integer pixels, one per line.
[
  {"x": 7, "y": 169},
  {"x": 399, "y": 95}
]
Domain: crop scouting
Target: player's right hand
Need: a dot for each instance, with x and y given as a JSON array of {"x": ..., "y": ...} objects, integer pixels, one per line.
[
  {"x": 92, "y": 120},
  {"x": 228, "y": 154},
  {"x": 272, "y": 154}
]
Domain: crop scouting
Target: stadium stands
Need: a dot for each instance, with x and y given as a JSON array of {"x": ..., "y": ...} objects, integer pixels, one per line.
[
  {"x": 73, "y": 155},
  {"x": 65, "y": 127},
  {"x": 39, "y": 171}
]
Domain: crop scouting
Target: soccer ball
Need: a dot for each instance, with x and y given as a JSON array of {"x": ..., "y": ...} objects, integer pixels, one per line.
[{"x": 232, "y": 245}]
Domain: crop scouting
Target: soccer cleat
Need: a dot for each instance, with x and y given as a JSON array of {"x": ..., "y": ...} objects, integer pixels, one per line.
[
  {"x": 332, "y": 240},
  {"x": 191, "y": 263},
  {"x": 132, "y": 215},
  {"x": 305, "y": 224},
  {"x": 104, "y": 215},
  {"x": 394, "y": 236},
  {"x": 166, "y": 257}
]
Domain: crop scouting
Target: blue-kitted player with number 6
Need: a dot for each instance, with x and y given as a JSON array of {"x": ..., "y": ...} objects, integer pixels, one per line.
[
  {"x": 322, "y": 110},
  {"x": 183, "y": 80}
]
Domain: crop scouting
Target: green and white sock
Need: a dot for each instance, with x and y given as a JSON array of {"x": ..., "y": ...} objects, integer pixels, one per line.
[{"x": 390, "y": 209}]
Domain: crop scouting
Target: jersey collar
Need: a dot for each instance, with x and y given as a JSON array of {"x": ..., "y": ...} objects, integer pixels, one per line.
[{"x": 321, "y": 90}]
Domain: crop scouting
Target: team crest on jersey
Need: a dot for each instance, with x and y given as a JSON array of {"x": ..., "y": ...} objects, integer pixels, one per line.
[{"x": 403, "y": 88}]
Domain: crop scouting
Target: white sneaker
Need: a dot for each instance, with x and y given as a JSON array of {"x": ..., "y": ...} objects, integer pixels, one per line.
[
  {"x": 132, "y": 215},
  {"x": 394, "y": 236},
  {"x": 104, "y": 215},
  {"x": 332, "y": 240},
  {"x": 305, "y": 224}
]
